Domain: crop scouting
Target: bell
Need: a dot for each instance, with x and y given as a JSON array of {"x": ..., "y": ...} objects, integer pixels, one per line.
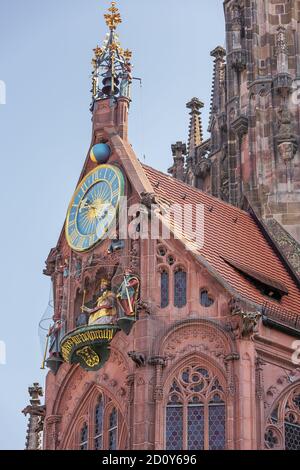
[{"x": 107, "y": 85}]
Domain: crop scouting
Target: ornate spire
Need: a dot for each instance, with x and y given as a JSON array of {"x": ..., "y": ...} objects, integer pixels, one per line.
[
  {"x": 282, "y": 50},
  {"x": 178, "y": 152},
  {"x": 195, "y": 129},
  {"x": 111, "y": 74},
  {"x": 36, "y": 413},
  {"x": 218, "y": 54}
]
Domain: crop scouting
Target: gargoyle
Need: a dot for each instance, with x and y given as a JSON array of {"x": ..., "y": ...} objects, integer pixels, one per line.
[
  {"x": 138, "y": 358},
  {"x": 35, "y": 410},
  {"x": 148, "y": 200}
]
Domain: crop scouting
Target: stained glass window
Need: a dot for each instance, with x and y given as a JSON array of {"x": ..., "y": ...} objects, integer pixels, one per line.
[
  {"x": 292, "y": 422},
  {"x": 174, "y": 420},
  {"x": 195, "y": 427},
  {"x": 205, "y": 300},
  {"x": 113, "y": 430},
  {"x": 216, "y": 424},
  {"x": 84, "y": 437},
  {"x": 100, "y": 431},
  {"x": 99, "y": 425},
  {"x": 292, "y": 436},
  {"x": 195, "y": 414},
  {"x": 180, "y": 289},
  {"x": 285, "y": 416},
  {"x": 164, "y": 289}
]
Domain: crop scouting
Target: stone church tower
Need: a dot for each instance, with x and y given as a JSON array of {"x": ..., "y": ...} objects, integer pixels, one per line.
[
  {"x": 253, "y": 156},
  {"x": 169, "y": 335}
]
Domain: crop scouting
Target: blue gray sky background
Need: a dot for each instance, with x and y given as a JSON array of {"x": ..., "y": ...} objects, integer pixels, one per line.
[{"x": 45, "y": 130}]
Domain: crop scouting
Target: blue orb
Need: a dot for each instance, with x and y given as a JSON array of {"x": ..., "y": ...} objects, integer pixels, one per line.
[{"x": 100, "y": 153}]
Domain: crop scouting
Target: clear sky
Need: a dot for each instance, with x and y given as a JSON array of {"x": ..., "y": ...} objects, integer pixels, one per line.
[{"x": 45, "y": 130}]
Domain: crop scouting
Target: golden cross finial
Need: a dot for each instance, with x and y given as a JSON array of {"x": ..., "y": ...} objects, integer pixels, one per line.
[{"x": 113, "y": 18}]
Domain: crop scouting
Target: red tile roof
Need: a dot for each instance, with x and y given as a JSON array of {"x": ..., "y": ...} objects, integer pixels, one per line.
[{"x": 231, "y": 233}]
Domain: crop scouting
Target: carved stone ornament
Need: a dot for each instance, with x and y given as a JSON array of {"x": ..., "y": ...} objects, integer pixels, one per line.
[
  {"x": 203, "y": 167},
  {"x": 244, "y": 323},
  {"x": 143, "y": 307},
  {"x": 287, "y": 150},
  {"x": 284, "y": 380},
  {"x": 148, "y": 200},
  {"x": 157, "y": 361},
  {"x": 284, "y": 123},
  {"x": 281, "y": 41},
  {"x": 138, "y": 358},
  {"x": 286, "y": 142},
  {"x": 35, "y": 411},
  {"x": 197, "y": 337},
  {"x": 237, "y": 16},
  {"x": 50, "y": 263}
]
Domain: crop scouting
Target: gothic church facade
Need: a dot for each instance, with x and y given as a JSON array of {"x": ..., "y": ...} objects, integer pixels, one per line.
[{"x": 183, "y": 344}]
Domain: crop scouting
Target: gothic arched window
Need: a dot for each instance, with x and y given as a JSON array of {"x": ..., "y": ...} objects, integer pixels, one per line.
[
  {"x": 292, "y": 421},
  {"x": 283, "y": 430},
  {"x": 113, "y": 430},
  {"x": 84, "y": 437},
  {"x": 103, "y": 428},
  {"x": 195, "y": 412},
  {"x": 98, "y": 438},
  {"x": 164, "y": 289},
  {"x": 180, "y": 291}
]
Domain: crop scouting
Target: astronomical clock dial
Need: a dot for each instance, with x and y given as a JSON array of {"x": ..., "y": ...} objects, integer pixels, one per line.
[{"x": 93, "y": 207}]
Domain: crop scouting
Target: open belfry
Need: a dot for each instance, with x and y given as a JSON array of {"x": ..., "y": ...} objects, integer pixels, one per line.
[{"x": 176, "y": 297}]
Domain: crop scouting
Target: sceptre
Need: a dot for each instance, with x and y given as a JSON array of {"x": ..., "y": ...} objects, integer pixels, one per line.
[
  {"x": 128, "y": 296},
  {"x": 83, "y": 301}
]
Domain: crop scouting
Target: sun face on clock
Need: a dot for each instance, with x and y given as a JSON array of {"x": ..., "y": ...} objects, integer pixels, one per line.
[{"x": 93, "y": 207}]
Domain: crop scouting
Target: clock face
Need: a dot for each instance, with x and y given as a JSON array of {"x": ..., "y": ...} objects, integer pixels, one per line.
[{"x": 93, "y": 207}]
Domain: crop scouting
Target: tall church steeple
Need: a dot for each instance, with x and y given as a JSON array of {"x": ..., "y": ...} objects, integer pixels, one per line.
[{"x": 111, "y": 76}]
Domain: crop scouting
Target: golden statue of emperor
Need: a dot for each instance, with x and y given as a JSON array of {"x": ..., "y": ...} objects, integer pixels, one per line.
[{"x": 105, "y": 312}]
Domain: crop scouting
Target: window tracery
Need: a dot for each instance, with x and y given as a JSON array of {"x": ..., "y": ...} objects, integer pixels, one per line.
[
  {"x": 195, "y": 411},
  {"x": 173, "y": 279},
  {"x": 283, "y": 429},
  {"x": 101, "y": 429}
]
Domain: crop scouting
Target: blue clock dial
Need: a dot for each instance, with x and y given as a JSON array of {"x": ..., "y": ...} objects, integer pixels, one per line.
[{"x": 93, "y": 207}]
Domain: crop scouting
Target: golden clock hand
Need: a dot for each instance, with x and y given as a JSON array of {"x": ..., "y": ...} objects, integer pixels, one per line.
[{"x": 86, "y": 205}]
